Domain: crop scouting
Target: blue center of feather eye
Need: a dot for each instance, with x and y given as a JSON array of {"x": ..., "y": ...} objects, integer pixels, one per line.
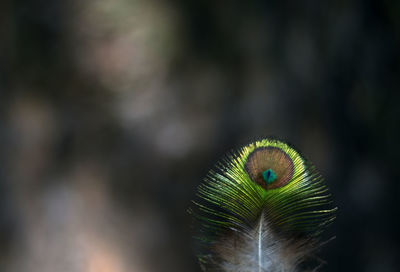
[{"x": 269, "y": 176}]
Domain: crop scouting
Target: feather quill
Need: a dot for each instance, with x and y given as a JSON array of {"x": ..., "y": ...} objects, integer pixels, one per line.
[{"x": 260, "y": 210}]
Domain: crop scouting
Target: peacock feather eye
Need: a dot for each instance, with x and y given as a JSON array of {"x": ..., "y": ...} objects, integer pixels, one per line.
[
  {"x": 272, "y": 164},
  {"x": 270, "y": 167}
]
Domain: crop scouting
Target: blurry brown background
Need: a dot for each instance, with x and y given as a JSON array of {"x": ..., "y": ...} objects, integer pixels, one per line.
[{"x": 111, "y": 113}]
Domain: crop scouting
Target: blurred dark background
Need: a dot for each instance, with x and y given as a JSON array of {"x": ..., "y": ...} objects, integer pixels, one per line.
[{"x": 112, "y": 112}]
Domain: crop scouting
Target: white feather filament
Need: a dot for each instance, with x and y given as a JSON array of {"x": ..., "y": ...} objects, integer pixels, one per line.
[{"x": 259, "y": 249}]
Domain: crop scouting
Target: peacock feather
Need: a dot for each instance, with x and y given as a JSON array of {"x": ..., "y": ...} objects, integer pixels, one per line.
[{"x": 261, "y": 209}]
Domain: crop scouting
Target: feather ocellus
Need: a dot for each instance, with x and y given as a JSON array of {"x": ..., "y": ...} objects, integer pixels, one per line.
[{"x": 262, "y": 209}]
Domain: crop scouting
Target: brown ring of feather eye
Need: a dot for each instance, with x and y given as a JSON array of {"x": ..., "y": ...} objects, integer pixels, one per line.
[{"x": 274, "y": 158}]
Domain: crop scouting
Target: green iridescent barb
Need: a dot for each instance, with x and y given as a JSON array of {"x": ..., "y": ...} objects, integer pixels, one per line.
[{"x": 261, "y": 210}]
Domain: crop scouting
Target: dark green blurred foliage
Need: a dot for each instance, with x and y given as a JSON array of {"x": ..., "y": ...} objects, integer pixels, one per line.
[{"x": 112, "y": 112}]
